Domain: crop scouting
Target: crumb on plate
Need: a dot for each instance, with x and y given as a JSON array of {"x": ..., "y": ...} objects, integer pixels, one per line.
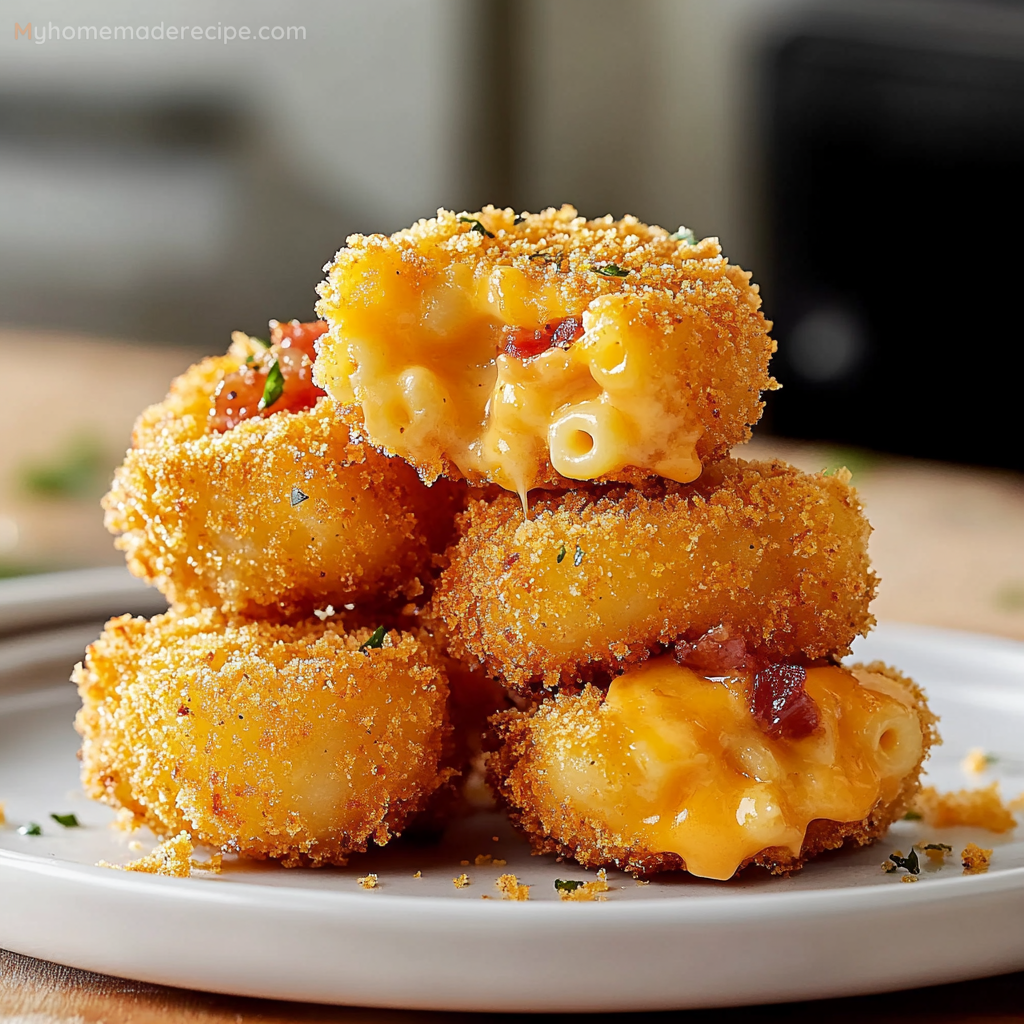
[
  {"x": 512, "y": 889},
  {"x": 976, "y": 761},
  {"x": 368, "y": 881},
  {"x": 171, "y": 857},
  {"x": 585, "y": 892},
  {"x": 463, "y": 880},
  {"x": 980, "y": 808},
  {"x": 975, "y": 859}
]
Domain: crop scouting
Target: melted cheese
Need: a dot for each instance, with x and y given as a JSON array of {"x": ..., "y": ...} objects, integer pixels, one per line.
[
  {"x": 422, "y": 354},
  {"x": 673, "y": 762}
]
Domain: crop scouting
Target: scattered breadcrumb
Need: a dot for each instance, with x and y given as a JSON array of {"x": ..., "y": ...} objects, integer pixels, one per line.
[
  {"x": 214, "y": 864},
  {"x": 463, "y": 880},
  {"x": 171, "y": 857},
  {"x": 483, "y": 860},
  {"x": 642, "y": 881},
  {"x": 368, "y": 881},
  {"x": 975, "y": 859},
  {"x": 980, "y": 808},
  {"x": 976, "y": 761},
  {"x": 937, "y": 852},
  {"x": 512, "y": 889},
  {"x": 325, "y": 614},
  {"x": 909, "y": 878},
  {"x": 494, "y": 839},
  {"x": 464, "y": 863},
  {"x": 419, "y": 874},
  {"x": 587, "y": 892}
]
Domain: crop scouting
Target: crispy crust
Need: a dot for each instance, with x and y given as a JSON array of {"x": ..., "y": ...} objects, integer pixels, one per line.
[
  {"x": 725, "y": 369},
  {"x": 553, "y": 827},
  {"x": 279, "y": 741},
  {"x": 210, "y": 519},
  {"x": 778, "y": 555}
]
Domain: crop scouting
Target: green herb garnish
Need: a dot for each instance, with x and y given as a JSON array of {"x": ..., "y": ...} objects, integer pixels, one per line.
[
  {"x": 548, "y": 256},
  {"x": 67, "y": 820},
  {"x": 578, "y": 556},
  {"x": 944, "y": 847},
  {"x": 274, "y": 387},
  {"x": 561, "y": 554},
  {"x": 31, "y": 829},
  {"x": 79, "y": 472},
  {"x": 610, "y": 270},
  {"x": 684, "y": 235},
  {"x": 477, "y": 226},
  {"x": 913, "y": 816},
  {"x": 376, "y": 639},
  {"x": 298, "y": 497},
  {"x": 260, "y": 341},
  {"x": 911, "y": 863},
  {"x": 249, "y": 360},
  {"x": 567, "y": 884}
]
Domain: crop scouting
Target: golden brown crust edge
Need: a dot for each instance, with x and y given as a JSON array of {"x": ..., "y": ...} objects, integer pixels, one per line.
[
  {"x": 520, "y": 796},
  {"x": 602, "y": 577}
]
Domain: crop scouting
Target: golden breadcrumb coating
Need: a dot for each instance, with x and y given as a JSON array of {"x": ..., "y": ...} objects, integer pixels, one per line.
[
  {"x": 274, "y": 517},
  {"x": 671, "y": 353},
  {"x": 601, "y": 577},
  {"x": 282, "y": 741},
  {"x": 673, "y": 760},
  {"x": 978, "y": 808},
  {"x": 171, "y": 857}
]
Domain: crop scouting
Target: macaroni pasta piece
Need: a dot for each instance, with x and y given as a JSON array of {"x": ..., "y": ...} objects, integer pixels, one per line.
[
  {"x": 671, "y": 769},
  {"x": 531, "y": 351}
]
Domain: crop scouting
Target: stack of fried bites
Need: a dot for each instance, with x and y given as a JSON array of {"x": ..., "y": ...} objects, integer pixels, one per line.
[{"x": 517, "y": 470}]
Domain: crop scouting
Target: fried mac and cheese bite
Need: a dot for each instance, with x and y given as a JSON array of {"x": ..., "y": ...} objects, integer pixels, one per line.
[
  {"x": 757, "y": 556},
  {"x": 672, "y": 770},
  {"x": 296, "y": 742},
  {"x": 544, "y": 348},
  {"x": 228, "y": 501}
]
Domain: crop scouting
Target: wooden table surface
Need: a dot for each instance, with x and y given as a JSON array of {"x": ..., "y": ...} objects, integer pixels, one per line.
[{"x": 948, "y": 544}]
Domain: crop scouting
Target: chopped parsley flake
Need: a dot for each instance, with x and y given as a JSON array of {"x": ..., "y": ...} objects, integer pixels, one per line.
[
  {"x": 261, "y": 341},
  {"x": 375, "y": 640},
  {"x": 477, "y": 226},
  {"x": 31, "y": 829},
  {"x": 578, "y": 556},
  {"x": 274, "y": 387},
  {"x": 911, "y": 862},
  {"x": 561, "y": 554},
  {"x": 912, "y": 816},
  {"x": 684, "y": 235},
  {"x": 610, "y": 270},
  {"x": 547, "y": 256},
  {"x": 67, "y": 820},
  {"x": 943, "y": 847},
  {"x": 298, "y": 497},
  {"x": 567, "y": 884}
]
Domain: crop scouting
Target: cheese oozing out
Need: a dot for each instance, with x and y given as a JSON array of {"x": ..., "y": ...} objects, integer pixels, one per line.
[
  {"x": 673, "y": 762},
  {"x": 427, "y": 357}
]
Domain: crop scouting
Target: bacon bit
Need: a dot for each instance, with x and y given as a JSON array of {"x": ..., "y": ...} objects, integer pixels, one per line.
[
  {"x": 183, "y": 710},
  {"x": 525, "y": 342},
  {"x": 238, "y": 395},
  {"x": 716, "y": 653},
  {"x": 218, "y": 807},
  {"x": 781, "y": 705}
]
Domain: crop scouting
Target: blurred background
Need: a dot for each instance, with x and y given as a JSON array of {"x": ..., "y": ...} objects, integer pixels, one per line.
[{"x": 863, "y": 159}]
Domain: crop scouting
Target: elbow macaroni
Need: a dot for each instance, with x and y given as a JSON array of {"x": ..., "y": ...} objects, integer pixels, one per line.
[
  {"x": 666, "y": 374},
  {"x": 672, "y": 762}
]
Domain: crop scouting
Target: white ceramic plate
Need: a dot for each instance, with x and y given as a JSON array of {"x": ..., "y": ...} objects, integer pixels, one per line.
[{"x": 840, "y": 927}]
